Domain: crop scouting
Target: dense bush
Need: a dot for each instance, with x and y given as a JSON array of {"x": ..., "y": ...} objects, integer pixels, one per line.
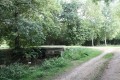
[
  {"x": 22, "y": 55},
  {"x": 53, "y": 63},
  {"x": 5, "y": 56},
  {"x": 13, "y": 72},
  {"x": 67, "y": 56},
  {"x": 75, "y": 53},
  {"x": 22, "y": 72},
  {"x": 2, "y": 57}
]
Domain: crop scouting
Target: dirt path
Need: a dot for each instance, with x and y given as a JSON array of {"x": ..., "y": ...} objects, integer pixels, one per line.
[
  {"x": 113, "y": 70},
  {"x": 88, "y": 70}
]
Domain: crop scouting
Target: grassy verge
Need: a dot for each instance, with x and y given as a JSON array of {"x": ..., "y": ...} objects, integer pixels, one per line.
[
  {"x": 108, "y": 56},
  {"x": 69, "y": 58}
]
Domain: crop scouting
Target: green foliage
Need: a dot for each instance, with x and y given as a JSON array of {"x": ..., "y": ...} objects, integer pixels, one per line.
[
  {"x": 30, "y": 53},
  {"x": 2, "y": 57},
  {"x": 78, "y": 53},
  {"x": 106, "y": 1},
  {"x": 75, "y": 54},
  {"x": 93, "y": 19},
  {"x": 13, "y": 72},
  {"x": 72, "y": 31},
  {"x": 5, "y": 56},
  {"x": 23, "y": 23},
  {"x": 53, "y": 63},
  {"x": 23, "y": 72},
  {"x": 34, "y": 22},
  {"x": 16, "y": 24}
]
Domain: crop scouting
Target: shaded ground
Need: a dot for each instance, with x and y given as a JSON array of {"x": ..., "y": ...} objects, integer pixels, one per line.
[{"x": 90, "y": 69}]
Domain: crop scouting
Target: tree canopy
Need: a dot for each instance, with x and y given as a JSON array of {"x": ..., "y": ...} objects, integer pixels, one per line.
[{"x": 26, "y": 23}]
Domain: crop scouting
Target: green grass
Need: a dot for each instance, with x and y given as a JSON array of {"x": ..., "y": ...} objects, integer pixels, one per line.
[
  {"x": 108, "y": 56},
  {"x": 70, "y": 58}
]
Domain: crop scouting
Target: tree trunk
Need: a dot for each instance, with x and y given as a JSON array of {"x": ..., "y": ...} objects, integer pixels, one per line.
[
  {"x": 17, "y": 42},
  {"x": 105, "y": 41},
  {"x": 92, "y": 40},
  {"x": 17, "y": 36}
]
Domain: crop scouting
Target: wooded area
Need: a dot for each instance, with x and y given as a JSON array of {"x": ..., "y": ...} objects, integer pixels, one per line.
[
  {"x": 26, "y": 25},
  {"x": 55, "y": 22}
]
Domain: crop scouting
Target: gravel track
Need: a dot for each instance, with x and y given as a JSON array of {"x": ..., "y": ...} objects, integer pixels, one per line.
[
  {"x": 88, "y": 70},
  {"x": 113, "y": 70}
]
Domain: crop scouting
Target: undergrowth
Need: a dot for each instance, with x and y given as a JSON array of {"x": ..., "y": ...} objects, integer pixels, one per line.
[{"x": 49, "y": 67}]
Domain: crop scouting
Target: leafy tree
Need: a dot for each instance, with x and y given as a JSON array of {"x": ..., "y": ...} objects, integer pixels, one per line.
[
  {"x": 71, "y": 23},
  {"x": 115, "y": 13},
  {"x": 108, "y": 30},
  {"x": 50, "y": 22},
  {"x": 94, "y": 17},
  {"x": 106, "y": 1},
  {"x": 22, "y": 22}
]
